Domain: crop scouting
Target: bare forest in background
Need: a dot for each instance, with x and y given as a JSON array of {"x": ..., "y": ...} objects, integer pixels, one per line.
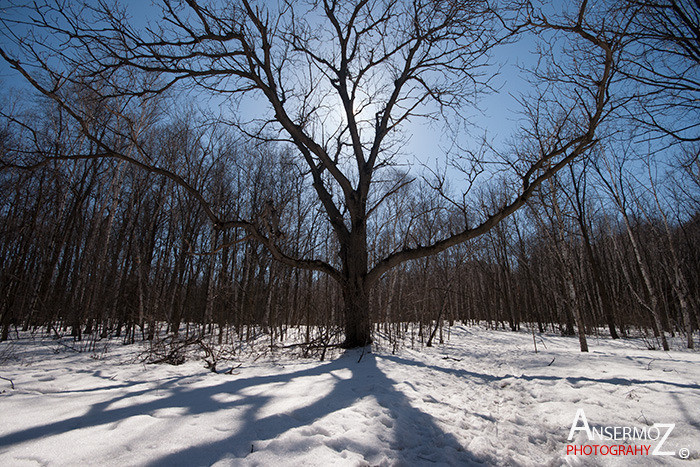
[{"x": 127, "y": 210}]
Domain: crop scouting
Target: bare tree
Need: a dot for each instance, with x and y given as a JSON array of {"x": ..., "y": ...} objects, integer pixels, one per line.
[
  {"x": 580, "y": 206},
  {"x": 673, "y": 270},
  {"x": 614, "y": 181},
  {"x": 340, "y": 81},
  {"x": 663, "y": 61}
]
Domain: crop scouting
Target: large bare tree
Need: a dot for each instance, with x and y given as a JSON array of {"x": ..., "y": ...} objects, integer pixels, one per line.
[{"x": 340, "y": 82}]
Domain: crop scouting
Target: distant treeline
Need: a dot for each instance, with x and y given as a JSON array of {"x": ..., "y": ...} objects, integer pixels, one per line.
[
  {"x": 241, "y": 167},
  {"x": 98, "y": 246}
]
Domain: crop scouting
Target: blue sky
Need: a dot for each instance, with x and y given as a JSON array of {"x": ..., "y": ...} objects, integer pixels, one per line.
[
  {"x": 496, "y": 116},
  {"x": 496, "y": 113}
]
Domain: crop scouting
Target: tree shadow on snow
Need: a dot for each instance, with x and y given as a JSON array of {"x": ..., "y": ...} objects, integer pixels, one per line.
[
  {"x": 690, "y": 418},
  {"x": 487, "y": 378},
  {"x": 410, "y": 435}
]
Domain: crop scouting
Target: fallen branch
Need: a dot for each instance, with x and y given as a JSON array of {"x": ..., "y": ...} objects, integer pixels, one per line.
[{"x": 12, "y": 384}]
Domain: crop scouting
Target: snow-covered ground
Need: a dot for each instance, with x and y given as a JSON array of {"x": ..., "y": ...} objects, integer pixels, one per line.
[{"x": 483, "y": 397}]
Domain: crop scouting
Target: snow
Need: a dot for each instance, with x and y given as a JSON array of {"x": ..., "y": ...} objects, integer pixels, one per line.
[{"x": 483, "y": 397}]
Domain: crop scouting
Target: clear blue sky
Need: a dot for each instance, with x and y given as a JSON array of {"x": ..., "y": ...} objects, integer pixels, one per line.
[{"x": 495, "y": 113}]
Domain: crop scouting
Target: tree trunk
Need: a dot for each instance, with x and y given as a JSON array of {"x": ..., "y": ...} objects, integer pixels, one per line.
[
  {"x": 602, "y": 295},
  {"x": 358, "y": 325},
  {"x": 653, "y": 306}
]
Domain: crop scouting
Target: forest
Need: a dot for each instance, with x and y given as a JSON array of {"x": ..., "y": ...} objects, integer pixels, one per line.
[{"x": 236, "y": 170}]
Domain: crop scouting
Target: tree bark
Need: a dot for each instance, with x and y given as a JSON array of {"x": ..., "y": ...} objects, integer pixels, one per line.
[{"x": 358, "y": 325}]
